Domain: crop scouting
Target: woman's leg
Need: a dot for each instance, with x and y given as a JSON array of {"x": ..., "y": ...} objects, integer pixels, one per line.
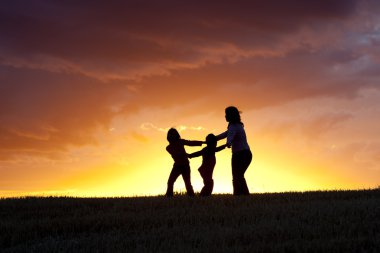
[
  {"x": 246, "y": 161},
  {"x": 236, "y": 175},
  {"x": 240, "y": 163}
]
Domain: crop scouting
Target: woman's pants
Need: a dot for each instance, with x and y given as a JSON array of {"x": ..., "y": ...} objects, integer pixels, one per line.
[{"x": 240, "y": 163}]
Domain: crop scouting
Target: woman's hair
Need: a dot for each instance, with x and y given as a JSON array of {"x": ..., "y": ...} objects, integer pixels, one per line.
[
  {"x": 173, "y": 135},
  {"x": 233, "y": 115}
]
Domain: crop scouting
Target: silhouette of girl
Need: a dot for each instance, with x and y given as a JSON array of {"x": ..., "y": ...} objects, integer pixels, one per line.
[
  {"x": 181, "y": 163},
  {"x": 241, "y": 153}
]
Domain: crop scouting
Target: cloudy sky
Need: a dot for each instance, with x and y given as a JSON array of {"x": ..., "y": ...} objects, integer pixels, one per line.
[{"x": 88, "y": 90}]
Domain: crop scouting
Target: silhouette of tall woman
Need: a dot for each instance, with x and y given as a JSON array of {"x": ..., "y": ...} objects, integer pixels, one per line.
[
  {"x": 181, "y": 162},
  {"x": 241, "y": 153}
]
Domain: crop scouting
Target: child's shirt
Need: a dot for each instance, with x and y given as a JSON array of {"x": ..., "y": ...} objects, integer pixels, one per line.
[
  {"x": 208, "y": 158},
  {"x": 178, "y": 152}
]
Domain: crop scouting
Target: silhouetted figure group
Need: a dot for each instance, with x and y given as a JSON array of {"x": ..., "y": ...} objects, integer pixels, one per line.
[{"x": 241, "y": 156}]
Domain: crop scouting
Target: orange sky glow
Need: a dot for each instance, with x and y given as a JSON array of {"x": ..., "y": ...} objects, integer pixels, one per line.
[{"x": 88, "y": 91}]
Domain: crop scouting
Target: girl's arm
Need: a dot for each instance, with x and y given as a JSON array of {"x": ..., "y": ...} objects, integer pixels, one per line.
[
  {"x": 195, "y": 154},
  {"x": 191, "y": 143},
  {"x": 220, "y": 148}
]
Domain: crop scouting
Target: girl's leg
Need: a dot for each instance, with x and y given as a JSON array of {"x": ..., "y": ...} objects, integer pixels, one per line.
[
  {"x": 208, "y": 183},
  {"x": 208, "y": 187},
  {"x": 186, "y": 178},
  {"x": 174, "y": 174}
]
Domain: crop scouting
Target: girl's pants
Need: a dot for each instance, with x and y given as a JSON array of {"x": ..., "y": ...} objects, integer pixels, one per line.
[{"x": 178, "y": 170}]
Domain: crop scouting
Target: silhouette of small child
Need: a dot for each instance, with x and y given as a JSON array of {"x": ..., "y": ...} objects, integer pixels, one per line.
[
  {"x": 181, "y": 162},
  {"x": 208, "y": 163}
]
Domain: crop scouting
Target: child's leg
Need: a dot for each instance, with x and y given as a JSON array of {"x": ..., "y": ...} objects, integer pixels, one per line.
[
  {"x": 208, "y": 186},
  {"x": 207, "y": 181},
  {"x": 186, "y": 179},
  {"x": 174, "y": 174}
]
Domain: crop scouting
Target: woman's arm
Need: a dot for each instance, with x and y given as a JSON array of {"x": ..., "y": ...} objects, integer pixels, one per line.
[
  {"x": 231, "y": 135},
  {"x": 221, "y": 136}
]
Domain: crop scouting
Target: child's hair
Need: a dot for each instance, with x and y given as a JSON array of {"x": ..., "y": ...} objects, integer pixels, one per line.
[
  {"x": 173, "y": 135},
  {"x": 211, "y": 140},
  {"x": 233, "y": 115}
]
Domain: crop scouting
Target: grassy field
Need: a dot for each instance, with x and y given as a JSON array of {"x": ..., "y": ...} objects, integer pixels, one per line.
[{"x": 334, "y": 221}]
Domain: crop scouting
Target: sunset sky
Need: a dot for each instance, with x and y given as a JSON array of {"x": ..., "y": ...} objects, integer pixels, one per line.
[{"x": 88, "y": 90}]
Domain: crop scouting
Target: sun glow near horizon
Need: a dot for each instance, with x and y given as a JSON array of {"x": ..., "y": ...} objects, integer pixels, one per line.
[
  {"x": 138, "y": 165},
  {"x": 85, "y": 111}
]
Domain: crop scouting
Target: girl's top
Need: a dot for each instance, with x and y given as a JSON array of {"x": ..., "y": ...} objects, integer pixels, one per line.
[
  {"x": 235, "y": 137},
  {"x": 177, "y": 150}
]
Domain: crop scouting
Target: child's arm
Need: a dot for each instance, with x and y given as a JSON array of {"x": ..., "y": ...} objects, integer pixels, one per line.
[
  {"x": 220, "y": 148},
  {"x": 195, "y": 154}
]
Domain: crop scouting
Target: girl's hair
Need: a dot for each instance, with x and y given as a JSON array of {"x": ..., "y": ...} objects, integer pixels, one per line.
[
  {"x": 211, "y": 140},
  {"x": 173, "y": 135},
  {"x": 233, "y": 115}
]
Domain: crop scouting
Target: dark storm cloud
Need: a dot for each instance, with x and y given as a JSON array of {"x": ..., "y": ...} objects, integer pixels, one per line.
[{"x": 128, "y": 31}]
